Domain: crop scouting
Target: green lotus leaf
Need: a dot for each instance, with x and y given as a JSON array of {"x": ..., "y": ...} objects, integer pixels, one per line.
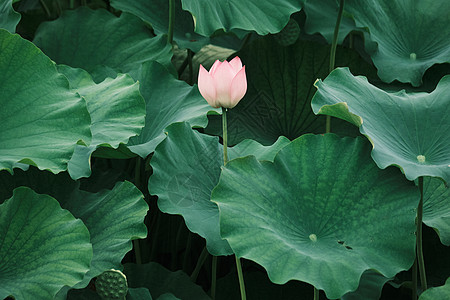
[
  {"x": 442, "y": 292},
  {"x": 114, "y": 218},
  {"x": 8, "y": 17},
  {"x": 167, "y": 101},
  {"x": 321, "y": 17},
  {"x": 322, "y": 213},
  {"x": 160, "y": 281},
  {"x": 41, "y": 118},
  {"x": 101, "y": 43},
  {"x": 42, "y": 246},
  {"x": 280, "y": 88},
  {"x": 157, "y": 14},
  {"x": 117, "y": 112},
  {"x": 409, "y": 130},
  {"x": 436, "y": 207},
  {"x": 262, "y": 16},
  {"x": 370, "y": 287},
  {"x": 183, "y": 182},
  {"x": 404, "y": 37}
]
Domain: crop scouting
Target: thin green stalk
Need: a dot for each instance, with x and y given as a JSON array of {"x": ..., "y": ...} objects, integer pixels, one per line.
[
  {"x": 171, "y": 21},
  {"x": 137, "y": 252},
  {"x": 190, "y": 54},
  {"x": 83, "y": 3},
  {"x": 45, "y": 8},
  {"x": 414, "y": 280},
  {"x": 420, "y": 260},
  {"x": 225, "y": 160},
  {"x": 175, "y": 245},
  {"x": 328, "y": 124},
  {"x": 213, "y": 277},
  {"x": 333, "y": 53},
  {"x": 71, "y": 4},
  {"x": 200, "y": 262},
  {"x": 225, "y": 136},
  {"x": 187, "y": 251},
  {"x": 316, "y": 293},
  {"x": 241, "y": 278},
  {"x": 335, "y": 36},
  {"x": 137, "y": 181}
]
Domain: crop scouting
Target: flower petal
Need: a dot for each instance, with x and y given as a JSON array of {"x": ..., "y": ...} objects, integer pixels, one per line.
[
  {"x": 238, "y": 87},
  {"x": 223, "y": 76},
  {"x": 214, "y": 67},
  {"x": 236, "y": 64},
  {"x": 206, "y": 86}
]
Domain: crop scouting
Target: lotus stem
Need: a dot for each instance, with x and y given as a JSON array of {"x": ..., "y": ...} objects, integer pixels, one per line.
[
  {"x": 225, "y": 160},
  {"x": 201, "y": 260},
  {"x": 414, "y": 280},
  {"x": 420, "y": 260},
  {"x": 45, "y": 8},
  {"x": 171, "y": 21},
  {"x": 137, "y": 252},
  {"x": 240, "y": 277},
  {"x": 333, "y": 53},
  {"x": 213, "y": 277},
  {"x": 225, "y": 137},
  {"x": 190, "y": 55},
  {"x": 335, "y": 36},
  {"x": 316, "y": 293}
]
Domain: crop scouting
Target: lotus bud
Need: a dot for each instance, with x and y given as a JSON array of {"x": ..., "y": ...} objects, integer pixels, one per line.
[{"x": 224, "y": 85}]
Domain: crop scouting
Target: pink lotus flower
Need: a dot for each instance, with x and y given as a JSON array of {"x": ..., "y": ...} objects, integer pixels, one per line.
[{"x": 224, "y": 85}]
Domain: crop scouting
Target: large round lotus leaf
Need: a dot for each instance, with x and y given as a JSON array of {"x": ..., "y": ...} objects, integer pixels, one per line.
[
  {"x": 436, "y": 207},
  {"x": 8, "y": 17},
  {"x": 262, "y": 16},
  {"x": 409, "y": 130},
  {"x": 322, "y": 213},
  {"x": 156, "y": 12},
  {"x": 101, "y": 43},
  {"x": 280, "y": 88},
  {"x": 167, "y": 101},
  {"x": 434, "y": 293},
  {"x": 160, "y": 281},
  {"x": 410, "y": 36},
  {"x": 117, "y": 112},
  {"x": 42, "y": 246},
  {"x": 41, "y": 119},
  {"x": 186, "y": 167},
  {"x": 321, "y": 17}
]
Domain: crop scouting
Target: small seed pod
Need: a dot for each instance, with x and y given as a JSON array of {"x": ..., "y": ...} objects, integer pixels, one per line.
[{"x": 112, "y": 285}]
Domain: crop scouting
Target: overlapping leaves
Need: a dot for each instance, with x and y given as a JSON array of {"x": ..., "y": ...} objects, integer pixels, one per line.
[
  {"x": 42, "y": 246},
  {"x": 183, "y": 182},
  {"x": 41, "y": 118},
  {"x": 409, "y": 130},
  {"x": 117, "y": 112},
  {"x": 113, "y": 217}
]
